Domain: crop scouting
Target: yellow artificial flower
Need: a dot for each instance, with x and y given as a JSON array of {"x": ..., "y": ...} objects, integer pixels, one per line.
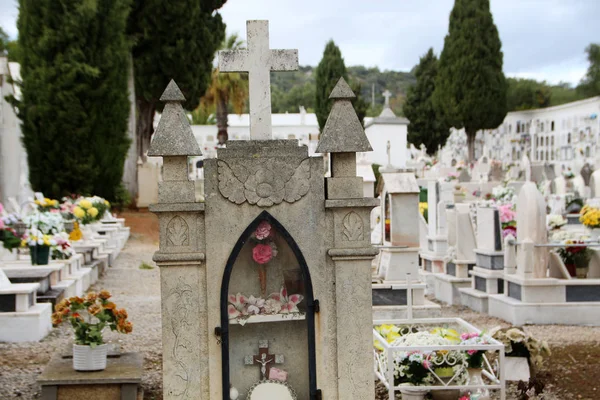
[
  {"x": 107, "y": 203},
  {"x": 85, "y": 204},
  {"x": 55, "y": 203},
  {"x": 39, "y": 203},
  {"x": 78, "y": 212},
  {"x": 93, "y": 212}
]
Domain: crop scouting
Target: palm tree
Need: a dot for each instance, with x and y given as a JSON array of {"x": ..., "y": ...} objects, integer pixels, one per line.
[{"x": 225, "y": 90}]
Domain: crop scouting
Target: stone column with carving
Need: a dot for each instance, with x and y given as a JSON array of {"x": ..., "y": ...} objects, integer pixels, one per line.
[
  {"x": 342, "y": 137},
  {"x": 180, "y": 256}
]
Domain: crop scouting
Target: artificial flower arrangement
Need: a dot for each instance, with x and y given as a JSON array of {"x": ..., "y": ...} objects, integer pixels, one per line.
[
  {"x": 241, "y": 307},
  {"x": 475, "y": 357},
  {"x": 264, "y": 250},
  {"x": 452, "y": 176},
  {"x": 85, "y": 212},
  {"x": 503, "y": 194},
  {"x": 9, "y": 238},
  {"x": 424, "y": 367},
  {"x": 569, "y": 174},
  {"x": 47, "y": 205},
  {"x": 48, "y": 223},
  {"x": 517, "y": 343},
  {"x": 590, "y": 217},
  {"x": 90, "y": 315},
  {"x": 555, "y": 221},
  {"x": 39, "y": 244},
  {"x": 62, "y": 249},
  {"x": 576, "y": 258},
  {"x": 508, "y": 219}
]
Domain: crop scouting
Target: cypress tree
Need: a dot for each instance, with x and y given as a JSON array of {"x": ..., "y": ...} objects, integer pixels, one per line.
[
  {"x": 470, "y": 87},
  {"x": 74, "y": 104},
  {"x": 425, "y": 125},
  {"x": 329, "y": 71},
  {"x": 172, "y": 40}
]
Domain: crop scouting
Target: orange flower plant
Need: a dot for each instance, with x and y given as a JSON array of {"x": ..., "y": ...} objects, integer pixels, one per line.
[{"x": 89, "y": 316}]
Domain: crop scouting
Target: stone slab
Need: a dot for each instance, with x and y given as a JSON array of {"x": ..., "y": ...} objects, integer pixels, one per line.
[
  {"x": 495, "y": 262},
  {"x": 125, "y": 369}
]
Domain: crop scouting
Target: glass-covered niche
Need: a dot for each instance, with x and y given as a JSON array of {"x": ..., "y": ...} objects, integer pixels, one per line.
[{"x": 270, "y": 326}]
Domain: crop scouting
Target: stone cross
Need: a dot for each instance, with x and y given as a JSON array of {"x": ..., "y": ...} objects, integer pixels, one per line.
[
  {"x": 387, "y": 96},
  {"x": 258, "y": 60},
  {"x": 264, "y": 359}
]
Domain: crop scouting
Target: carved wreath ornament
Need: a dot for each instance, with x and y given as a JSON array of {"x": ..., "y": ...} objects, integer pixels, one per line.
[{"x": 263, "y": 182}]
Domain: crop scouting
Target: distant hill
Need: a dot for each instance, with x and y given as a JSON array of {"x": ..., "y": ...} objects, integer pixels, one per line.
[
  {"x": 297, "y": 88},
  {"x": 292, "y": 89}
]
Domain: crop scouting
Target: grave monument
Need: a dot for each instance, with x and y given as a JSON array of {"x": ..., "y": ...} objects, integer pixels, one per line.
[{"x": 266, "y": 288}]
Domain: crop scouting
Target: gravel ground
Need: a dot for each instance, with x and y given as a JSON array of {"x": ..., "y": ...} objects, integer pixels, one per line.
[
  {"x": 135, "y": 289},
  {"x": 571, "y": 373}
]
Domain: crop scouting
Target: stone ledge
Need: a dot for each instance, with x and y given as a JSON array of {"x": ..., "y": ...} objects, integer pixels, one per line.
[
  {"x": 178, "y": 257},
  {"x": 176, "y": 207},
  {"x": 352, "y": 203},
  {"x": 353, "y": 254},
  {"x": 125, "y": 369}
]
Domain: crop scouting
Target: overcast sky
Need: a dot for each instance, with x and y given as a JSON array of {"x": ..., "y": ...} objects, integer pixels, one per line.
[{"x": 541, "y": 39}]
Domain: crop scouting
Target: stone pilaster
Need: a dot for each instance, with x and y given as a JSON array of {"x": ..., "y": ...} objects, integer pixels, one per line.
[
  {"x": 180, "y": 257},
  {"x": 351, "y": 253}
]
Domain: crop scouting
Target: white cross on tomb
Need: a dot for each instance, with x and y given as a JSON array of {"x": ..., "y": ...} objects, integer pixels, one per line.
[
  {"x": 258, "y": 60},
  {"x": 387, "y": 96}
]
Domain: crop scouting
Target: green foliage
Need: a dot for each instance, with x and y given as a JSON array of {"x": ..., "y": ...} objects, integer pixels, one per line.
[
  {"x": 527, "y": 94},
  {"x": 9, "y": 239},
  {"x": 172, "y": 40},
  {"x": 74, "y": 106},
  {"x": 425, "y": 126},
  {"x": 470, "y": 87},
  {"x": 359, "y": 103},
  {"x": 328, "y": 73},
  {"x": 563, "y": 93},
  {"x": 292, "y": 89},
  {"x": 4, "y": 39},
  {"x": 590, "y": 84}
]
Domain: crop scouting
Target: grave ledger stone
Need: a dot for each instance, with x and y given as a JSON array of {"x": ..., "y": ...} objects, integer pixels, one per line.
[{"x": 276, "y": 254}]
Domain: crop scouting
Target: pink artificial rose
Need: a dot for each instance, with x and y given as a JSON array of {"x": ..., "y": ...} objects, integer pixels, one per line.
[
  {"x": 263, "y": 231},
  {"x": 262, "y": 253},
  {"x": 471, "y": 352},
  {"x": 506, "y": 213},
  {"x": 276, "y": 374},
  {"x": 427, "y": 364}
]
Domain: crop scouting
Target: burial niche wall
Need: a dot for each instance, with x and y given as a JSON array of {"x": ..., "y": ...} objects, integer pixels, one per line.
[{"x": 265, "y": 295}]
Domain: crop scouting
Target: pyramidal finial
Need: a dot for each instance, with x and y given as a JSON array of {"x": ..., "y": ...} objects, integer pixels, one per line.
[
  {"x": 342, "y": 90},
  {"x": 343, "y": 131},
  {"x": 173, "y": 136},
  {"x": 172, "y": 93}
]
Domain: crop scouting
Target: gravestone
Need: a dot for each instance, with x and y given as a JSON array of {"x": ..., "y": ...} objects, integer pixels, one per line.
[
  {"x": 496, "y": 172},
  {"x": 276, "y": 252},
  {"x": 532, "y": 261},
  {"x": 464, "y": 176}
]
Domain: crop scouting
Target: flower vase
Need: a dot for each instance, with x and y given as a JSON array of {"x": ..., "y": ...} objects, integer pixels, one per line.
[
  {"x": 451, "y": 394},
  {"x": 86, "y": 358},
  {"x": 40, "y": 255},
  {"x": 571, "y": 269},
  {"x": 413, "y": 393},
  {"x": 582, "y": 272},
  {"x": 475, "y": 379},
  {"x": 594, "y": 234}
]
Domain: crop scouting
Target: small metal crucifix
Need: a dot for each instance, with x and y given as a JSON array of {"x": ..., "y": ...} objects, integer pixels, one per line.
[{"x": 264, "y": 359}]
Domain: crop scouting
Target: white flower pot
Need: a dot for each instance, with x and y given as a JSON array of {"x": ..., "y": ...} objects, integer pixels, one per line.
[
  {"x": 86, "y": 358},
  {"x": 413, "y": 393},
  {"x": 594, "y": 233},
  {"x": 8, "y": 255}
]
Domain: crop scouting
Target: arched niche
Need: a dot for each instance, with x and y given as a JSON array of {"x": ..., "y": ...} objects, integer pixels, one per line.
[{"x": 291, "y": 335}]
